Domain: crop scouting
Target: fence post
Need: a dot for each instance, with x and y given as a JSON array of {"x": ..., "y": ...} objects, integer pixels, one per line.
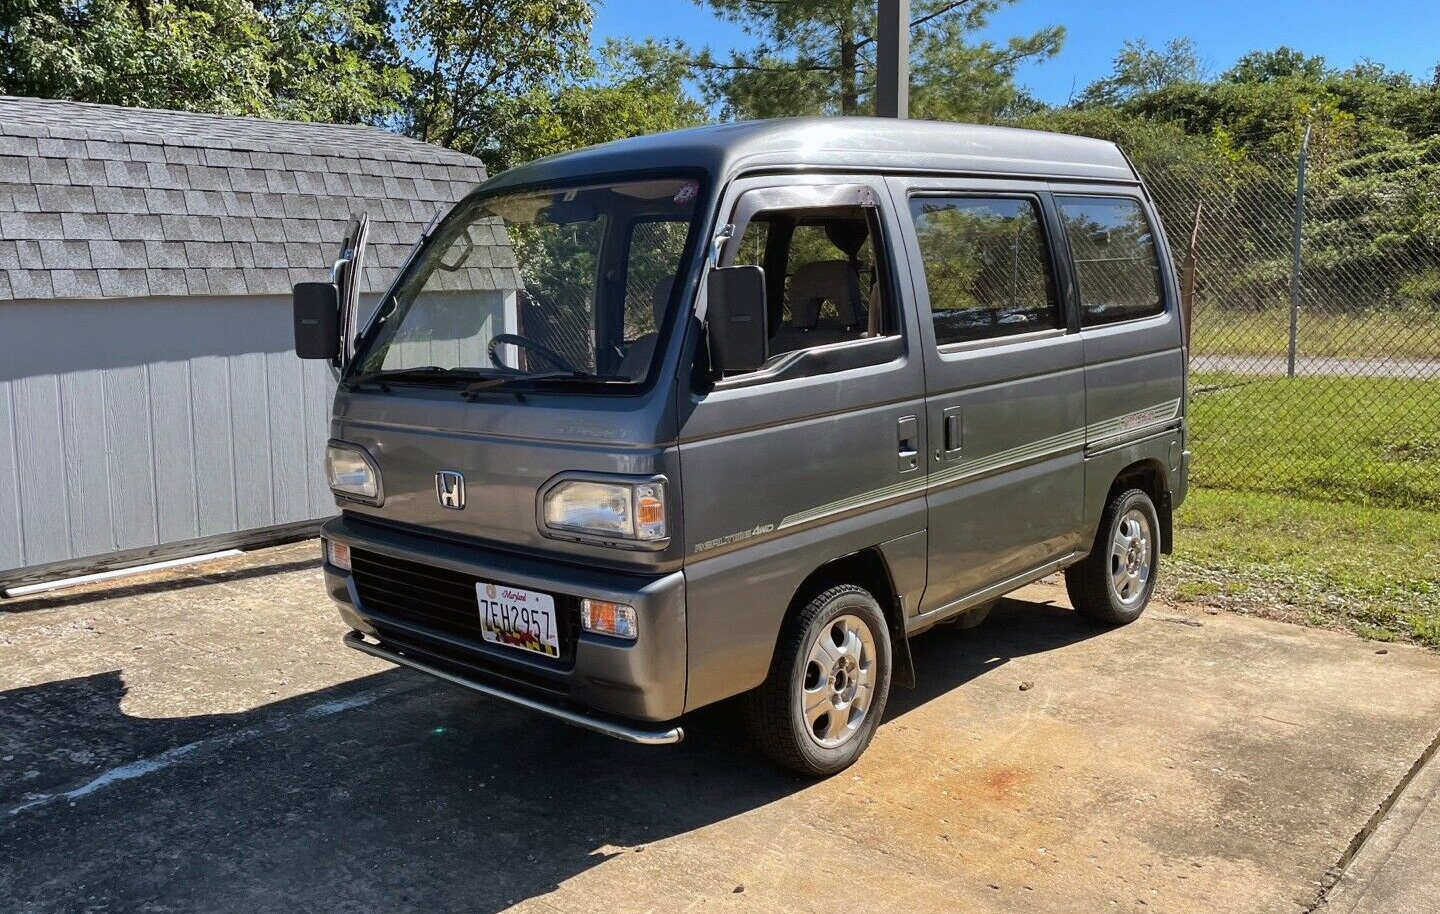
[
  {"x": 1295, "y": 261},
  {"x": 1187, "y": 273}
]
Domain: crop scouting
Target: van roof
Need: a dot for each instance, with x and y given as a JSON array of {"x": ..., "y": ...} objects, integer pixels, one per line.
[{"x": 870, "y": 143}]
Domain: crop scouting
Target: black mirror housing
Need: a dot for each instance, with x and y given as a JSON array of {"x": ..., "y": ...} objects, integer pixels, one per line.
[
  {"x": 317, "y": 320},
  {"x": 735, "y": 318}
]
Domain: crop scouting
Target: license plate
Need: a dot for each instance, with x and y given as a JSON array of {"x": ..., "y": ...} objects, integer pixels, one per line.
[{"x": 518, "y": 618}]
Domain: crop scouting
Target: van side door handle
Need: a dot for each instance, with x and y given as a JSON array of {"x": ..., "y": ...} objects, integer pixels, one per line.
[
  {"x": 954, "y": 432},
  {"x": 907, "y": 432}
]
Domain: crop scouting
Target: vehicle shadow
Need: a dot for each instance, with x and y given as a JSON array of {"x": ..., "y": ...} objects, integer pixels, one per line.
[
  {"x": 947, "y": 657},
  {"x": 421, "y": 798}
]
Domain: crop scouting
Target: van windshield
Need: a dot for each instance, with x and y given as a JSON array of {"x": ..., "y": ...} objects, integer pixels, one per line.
[{"x": 560, "y": 285}]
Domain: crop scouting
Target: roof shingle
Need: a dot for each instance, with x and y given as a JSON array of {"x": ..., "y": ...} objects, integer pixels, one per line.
[{"x": 98, "y": 201}]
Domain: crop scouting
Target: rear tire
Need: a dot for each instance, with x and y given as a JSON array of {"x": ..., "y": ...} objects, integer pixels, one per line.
[
  {"x": 829, "y": 680},
  {"x": 973, "y": 617},
  {"x": 1113, "y": 584}
]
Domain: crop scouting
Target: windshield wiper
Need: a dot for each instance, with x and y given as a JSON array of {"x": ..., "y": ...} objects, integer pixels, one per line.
[
  {"x": 500, "y": 380},
  {"x": 419, "y": 373}
]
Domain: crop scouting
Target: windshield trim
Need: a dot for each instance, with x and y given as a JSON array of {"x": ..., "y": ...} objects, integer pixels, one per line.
[{"x": 694, "y": 245}]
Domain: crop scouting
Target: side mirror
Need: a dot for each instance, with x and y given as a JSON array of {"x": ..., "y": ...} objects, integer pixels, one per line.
[
  {"x": 735, "y": 318},
  {"x": 317, "y": 320}
]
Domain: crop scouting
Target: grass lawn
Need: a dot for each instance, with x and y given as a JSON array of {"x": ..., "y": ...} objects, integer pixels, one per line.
[
  {"x": 1399, "y": 335},
  {"x": 1372, "y": 570},
  {"x": 1368, "y": 440}
]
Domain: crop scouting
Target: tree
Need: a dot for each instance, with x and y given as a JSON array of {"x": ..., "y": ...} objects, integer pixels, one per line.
[
  {"x": 632, "y": 89},
  {"x": 818, "y": 57},
  {"x": 320, "y": 60},
  {"x": 1270, "y": 66},
  {"x": 1372, "y": 232},
  {"x": 335, "y": 60},
  {"x": 953, "y": 79},
  {"x": 1140, "y": 69},
  {"x": 470, "y": 59}
]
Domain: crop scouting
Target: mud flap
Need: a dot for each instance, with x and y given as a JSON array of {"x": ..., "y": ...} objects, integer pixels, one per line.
[
  {"x": 903, "y": 673},
  {"x": 1167, "y": 524}
]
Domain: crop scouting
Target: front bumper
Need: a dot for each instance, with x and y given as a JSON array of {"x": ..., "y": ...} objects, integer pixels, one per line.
[{"x": 641, "y": 680}]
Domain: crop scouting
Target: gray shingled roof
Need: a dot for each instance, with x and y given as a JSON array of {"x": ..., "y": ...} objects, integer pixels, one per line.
[{"x": 98, "y": 201}]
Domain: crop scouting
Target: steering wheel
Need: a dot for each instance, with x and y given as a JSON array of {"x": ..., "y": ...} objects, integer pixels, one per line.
[{"x": 524, "y": 342}]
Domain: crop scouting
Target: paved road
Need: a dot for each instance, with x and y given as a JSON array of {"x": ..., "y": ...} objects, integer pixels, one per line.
[
  {"x": 1324, "y": 366},
  {"x": 204, "y": 744}
]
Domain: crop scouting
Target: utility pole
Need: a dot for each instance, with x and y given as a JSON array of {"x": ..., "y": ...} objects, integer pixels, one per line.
[
  {"x": 892, "y": 59},
  {"x": 1295, "y": 259}
]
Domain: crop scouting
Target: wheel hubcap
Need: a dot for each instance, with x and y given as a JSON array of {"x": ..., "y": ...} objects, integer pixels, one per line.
[
  {"x": 1131, "y": 557},
  {"x": 839, "y": 682}
]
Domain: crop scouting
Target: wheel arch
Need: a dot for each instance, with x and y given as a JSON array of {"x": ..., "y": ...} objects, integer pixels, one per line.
[
  {"x": 867, "y": 568},
  {"x": 1151, "y": 477}
]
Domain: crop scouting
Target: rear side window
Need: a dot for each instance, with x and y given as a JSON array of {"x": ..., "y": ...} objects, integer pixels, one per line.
[
  {"x": 1115, "y": 259},
  {"x": 987, "y": 267}
]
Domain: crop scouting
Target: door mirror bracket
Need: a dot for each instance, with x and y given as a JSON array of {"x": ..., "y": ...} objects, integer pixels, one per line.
[{"x": 325, "y": 312}]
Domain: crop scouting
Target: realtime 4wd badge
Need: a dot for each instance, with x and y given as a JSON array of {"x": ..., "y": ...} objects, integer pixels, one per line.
[{"x": 760, "y": 530}]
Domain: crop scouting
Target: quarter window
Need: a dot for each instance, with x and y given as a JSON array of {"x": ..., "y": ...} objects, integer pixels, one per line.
[
  {"x": 987, "y": 267},
  {"x": 1116, "y": 263},
  {"x": 654, "y": 258}
]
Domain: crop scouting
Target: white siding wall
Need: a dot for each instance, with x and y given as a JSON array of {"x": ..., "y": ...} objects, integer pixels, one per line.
[
  {"x": 138, "y": 422},
  {"x": 454, "y": 329}
]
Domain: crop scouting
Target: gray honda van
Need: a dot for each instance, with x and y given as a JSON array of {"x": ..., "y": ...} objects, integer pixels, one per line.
[{"x": 739, "y": 410}]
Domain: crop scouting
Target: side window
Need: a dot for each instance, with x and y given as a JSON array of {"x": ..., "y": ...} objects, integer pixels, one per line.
[
  {"x": 834, "y": 288},
  {"x": 1116, "y": 263},
  {"x": 987, "y": 267},
  {"x": 813, "y": 244},
  {"x": 827, "y": 280}
]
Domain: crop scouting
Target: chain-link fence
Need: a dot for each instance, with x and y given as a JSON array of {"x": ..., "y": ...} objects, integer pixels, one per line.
[{"x": 1316, "y": 329}]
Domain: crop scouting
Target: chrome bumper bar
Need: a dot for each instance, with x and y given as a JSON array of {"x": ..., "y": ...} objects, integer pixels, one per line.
[{"x": 627, "y": 732}]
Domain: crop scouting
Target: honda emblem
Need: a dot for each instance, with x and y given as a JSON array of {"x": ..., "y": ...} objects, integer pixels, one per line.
[{"x": 450, "y": 489}]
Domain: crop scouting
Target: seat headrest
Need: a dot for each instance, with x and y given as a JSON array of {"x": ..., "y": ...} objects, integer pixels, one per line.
[{"x": 815, "y": 283}]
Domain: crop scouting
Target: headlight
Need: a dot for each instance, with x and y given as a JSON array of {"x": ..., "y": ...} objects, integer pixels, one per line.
[
  {"x": 351, "y": 472},
  {"x": 632, "y": 511}
]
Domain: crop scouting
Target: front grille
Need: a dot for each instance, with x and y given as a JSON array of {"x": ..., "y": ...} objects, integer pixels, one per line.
[{"x": 443, "y": 601}]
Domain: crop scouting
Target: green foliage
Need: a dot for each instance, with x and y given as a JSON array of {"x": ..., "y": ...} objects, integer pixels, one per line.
[
  {"x": 471, "y": 58},
  {"x": 325, "y": 60},
  {"x": 1140, "y": 69},
  {"x": 1373, "y": 175},
  {"x": 955, "y": 78},
  {"x": 631, "y": 90},
  {"x": 508, "y": 79},
  {"x": 818, "y": 57},
  {"x": 1380, "y": 210},
  {"x": 1283, "y": 63}
]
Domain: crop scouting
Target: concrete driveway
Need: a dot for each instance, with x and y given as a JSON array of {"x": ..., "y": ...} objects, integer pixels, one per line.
[{"x": 204, "y": 743}]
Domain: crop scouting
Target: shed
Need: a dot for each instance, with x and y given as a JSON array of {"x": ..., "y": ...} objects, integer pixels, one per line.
[{"x": 151, "y": 404}]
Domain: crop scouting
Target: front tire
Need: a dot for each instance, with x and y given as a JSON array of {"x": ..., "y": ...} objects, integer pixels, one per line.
[
  {"x": 829, "y": 680},
  {"x": 1113, "y": 584}
]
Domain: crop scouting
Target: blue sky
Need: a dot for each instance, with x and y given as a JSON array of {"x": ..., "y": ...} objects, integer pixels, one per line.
[{"x": 1402, "y": 34}]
